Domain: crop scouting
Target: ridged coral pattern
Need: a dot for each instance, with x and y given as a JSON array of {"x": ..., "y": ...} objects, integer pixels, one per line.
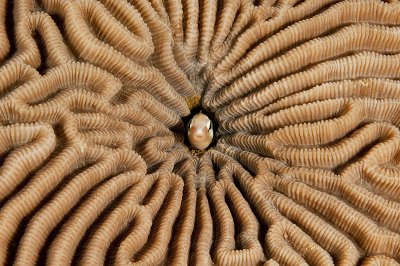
[{"x": 94, "y": 169}]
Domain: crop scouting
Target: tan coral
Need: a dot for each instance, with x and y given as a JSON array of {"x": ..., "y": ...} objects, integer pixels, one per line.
[{"x": 305, "y": 167}]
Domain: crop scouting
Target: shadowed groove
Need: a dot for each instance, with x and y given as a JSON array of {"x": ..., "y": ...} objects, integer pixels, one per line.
[
  {"x": 4, "y": 41},
  {"x": 181, "y": 241},
  {"x": 298, "y": 32},
  {"x": 50, "y": 214},
  {"x": 63, "y": 246},
  {"x": 351, "y": 38},
  {"x": 362, "y": 65},
  {"x": 29, "y": 152}
]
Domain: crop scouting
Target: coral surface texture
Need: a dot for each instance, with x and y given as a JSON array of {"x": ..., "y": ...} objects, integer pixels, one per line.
[{"x": 95, "y": 168}]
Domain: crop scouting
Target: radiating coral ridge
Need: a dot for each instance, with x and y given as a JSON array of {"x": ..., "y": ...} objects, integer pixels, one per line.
[{"x": 305, "y": 163}]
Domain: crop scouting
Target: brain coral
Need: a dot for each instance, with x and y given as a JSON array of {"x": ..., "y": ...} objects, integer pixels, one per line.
[{"x": 95, "y": 168}]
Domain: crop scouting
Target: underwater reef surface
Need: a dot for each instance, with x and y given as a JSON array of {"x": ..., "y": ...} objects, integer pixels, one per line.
[{"x": 96, "y": 167}]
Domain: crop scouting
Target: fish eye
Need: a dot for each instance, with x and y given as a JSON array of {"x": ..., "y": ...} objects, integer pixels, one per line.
[{"x": 208, "y": 124}]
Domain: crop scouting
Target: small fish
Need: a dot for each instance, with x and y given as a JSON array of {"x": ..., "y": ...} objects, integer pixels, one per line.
[{"x": 200, "y": 131}]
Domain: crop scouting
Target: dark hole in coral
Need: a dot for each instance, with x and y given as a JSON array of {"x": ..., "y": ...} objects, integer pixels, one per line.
[{"x": 256, "y": 2}]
